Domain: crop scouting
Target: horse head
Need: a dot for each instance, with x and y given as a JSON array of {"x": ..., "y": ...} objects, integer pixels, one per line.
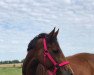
[{"x": 45, "y": 49}]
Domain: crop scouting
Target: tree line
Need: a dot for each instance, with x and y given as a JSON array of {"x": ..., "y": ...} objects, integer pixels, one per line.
[{"x": 11, "y": 61}]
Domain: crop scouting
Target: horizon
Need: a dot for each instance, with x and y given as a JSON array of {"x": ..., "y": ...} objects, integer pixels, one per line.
[{"x": 21, "y": 21}]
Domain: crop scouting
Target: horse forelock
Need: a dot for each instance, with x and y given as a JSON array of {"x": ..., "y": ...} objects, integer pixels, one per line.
[{"x": 33, "y": 42}]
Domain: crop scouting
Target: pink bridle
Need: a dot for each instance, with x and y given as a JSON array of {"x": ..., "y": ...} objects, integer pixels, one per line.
[{"x": 47, "y": 54}]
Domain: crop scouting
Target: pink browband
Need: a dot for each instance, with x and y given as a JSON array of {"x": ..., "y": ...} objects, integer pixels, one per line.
[{"x": 56, "y": 65}]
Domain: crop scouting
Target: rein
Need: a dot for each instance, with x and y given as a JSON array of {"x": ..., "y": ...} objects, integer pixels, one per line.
[{"x": 47, "y": 54}]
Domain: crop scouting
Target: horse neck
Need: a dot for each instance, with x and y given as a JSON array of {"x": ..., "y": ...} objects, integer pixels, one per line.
[{"x": 30, "y": 64}]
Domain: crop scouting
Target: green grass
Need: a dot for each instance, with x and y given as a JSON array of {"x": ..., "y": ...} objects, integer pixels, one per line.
[{"x": 10, "y": 71}]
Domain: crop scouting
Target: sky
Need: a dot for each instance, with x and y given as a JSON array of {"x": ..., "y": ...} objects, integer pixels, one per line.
[{"x": 22, "y": 20}]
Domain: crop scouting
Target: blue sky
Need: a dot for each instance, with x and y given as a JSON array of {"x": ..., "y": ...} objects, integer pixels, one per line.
[{"x": 22, "y": 20}]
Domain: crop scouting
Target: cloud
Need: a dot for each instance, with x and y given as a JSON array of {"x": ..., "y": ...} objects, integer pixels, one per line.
[
  {"x": 21, "y": 20},
  {"x": 47, "y": 11},
  {"x": 68, "y": 1}
]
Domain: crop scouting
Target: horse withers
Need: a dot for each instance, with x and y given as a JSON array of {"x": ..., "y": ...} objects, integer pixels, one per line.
[{"x": 44, "y": 49}]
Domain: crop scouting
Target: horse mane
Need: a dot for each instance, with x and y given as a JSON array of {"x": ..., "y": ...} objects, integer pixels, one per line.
[
  {"x": 33, "y": 42},
  {"x": 33, "y": 62}
]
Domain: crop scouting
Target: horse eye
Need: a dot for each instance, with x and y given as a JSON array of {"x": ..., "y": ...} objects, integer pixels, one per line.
[{"x": 55, "y": 51}]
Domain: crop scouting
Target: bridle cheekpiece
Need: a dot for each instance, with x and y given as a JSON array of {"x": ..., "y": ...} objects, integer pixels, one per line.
[{"x": 47, "y": 54}]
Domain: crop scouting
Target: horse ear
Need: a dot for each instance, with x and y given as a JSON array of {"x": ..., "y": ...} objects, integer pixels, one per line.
[
  {"x": 56, "y": 33},
  {"x": 51, "y": 34}
]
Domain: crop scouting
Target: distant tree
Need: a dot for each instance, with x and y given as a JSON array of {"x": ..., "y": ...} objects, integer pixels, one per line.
[
  {"x": 1, "y": 62},
  {"x": 5, "y": 62},
  {"x": 9, "y": 62},
  {"x": 15, "y": 61},
  {"x": 22, "y": 60}
]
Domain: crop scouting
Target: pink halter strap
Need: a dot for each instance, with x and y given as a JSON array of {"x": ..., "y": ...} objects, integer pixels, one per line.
[{"x": 56, "y": 65}]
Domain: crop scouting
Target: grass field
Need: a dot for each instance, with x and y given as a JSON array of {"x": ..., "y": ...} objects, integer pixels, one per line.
[{"x": 10, "y": 69}]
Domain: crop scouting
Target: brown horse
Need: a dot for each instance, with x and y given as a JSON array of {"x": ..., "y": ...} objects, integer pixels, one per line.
[
  {"x": 79, "y": 64},
  {"x": 44, "y": 49}
]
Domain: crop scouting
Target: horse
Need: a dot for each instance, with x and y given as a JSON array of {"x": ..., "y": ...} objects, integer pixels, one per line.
[
  {"x": 44, "y": 49},
  {"x": 45, "y": 57}
]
